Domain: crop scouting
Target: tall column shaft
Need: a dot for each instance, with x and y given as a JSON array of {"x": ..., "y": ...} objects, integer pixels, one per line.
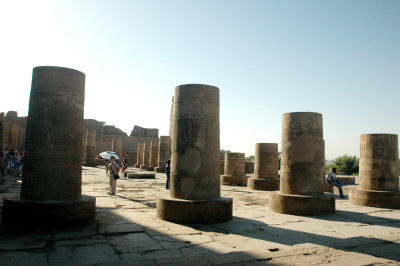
[
  {"x": 140, "y": 153},
  {"x": 266, "y": 160},
  {"x": 379, "y": 162},
  {"x": 52, "y": 163},
  {"x": 234, "y": 164},
  {"x": 91, "y": 146},
  {"x": 154, "y": 153},
  {"x": 265, "y": 167},
  {"x": 195, "y": 143},
  {"x": 146, "y": 154},
  {"x": 302, "y": 167},
  {"x": 164, "y": 153},
  {"x": 379, "y": 172},
  {"x": 52, "y": 177},
  {"x": 303, "y": 154},
  {"x": 195, "y": 185}
]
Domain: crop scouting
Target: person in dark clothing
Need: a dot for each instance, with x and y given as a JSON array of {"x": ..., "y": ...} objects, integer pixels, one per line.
[{"x": 168, "y": 173}]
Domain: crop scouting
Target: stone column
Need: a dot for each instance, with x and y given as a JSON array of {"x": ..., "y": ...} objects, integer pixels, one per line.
[
  {"x": 265, "y": 167},
  {"x": 221, "y": 167},
  {"x": 51, "y": 192},
  {"x": 117, "y": 147},
  {"x": 195, "y": 189},
  {"x": 153, "y": 155},
  {"x": 140, "y": 150},
  {"x": 379, "y": 172},
  {"x": 146, "y": 156},
  {"x": 234, "y": 172},
  {"x": 302, "y": 169},
  {"x": 164, "y": 153},
  {"x": 2, "y": 131},
  {"x": 91, "y": 148},
  {"x": 171, "y": 120},
  {"x": 13, "y": 136}
]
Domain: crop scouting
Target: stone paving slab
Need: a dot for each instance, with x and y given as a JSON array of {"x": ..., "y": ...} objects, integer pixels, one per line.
[{"x": 127, "y": 232}]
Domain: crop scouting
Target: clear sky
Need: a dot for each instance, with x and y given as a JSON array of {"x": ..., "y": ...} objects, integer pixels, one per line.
[{"x": 338, "y": 58}]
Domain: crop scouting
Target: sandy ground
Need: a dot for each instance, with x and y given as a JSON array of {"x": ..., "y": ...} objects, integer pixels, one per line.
[{"x": 127, "y": 232}]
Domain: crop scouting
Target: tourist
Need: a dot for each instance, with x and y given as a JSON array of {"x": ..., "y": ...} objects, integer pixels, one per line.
[
  {"x": 16, "y": 160},
  {"x": 124, "y": 164},
  {"x": 168, "y": 173},
  {"x": 334, "y": 181},
  {"x": 3, "y": 164},
  {"x": 114, "y": 171}
]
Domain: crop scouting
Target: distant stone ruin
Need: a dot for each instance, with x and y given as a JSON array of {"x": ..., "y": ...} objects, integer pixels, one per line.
[
  {"x": 144, "y": 132},
  {"x": 12, "y": 131}
]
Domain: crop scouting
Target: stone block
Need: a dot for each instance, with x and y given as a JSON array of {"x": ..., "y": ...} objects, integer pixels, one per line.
[
  {"x": 194, "y": 211},
  {"x": 139, "y": 175},
  {"x": 44, "y": 215},
  {"x": 232, "y": 180},
  {"x": 302, "y": 204},
  {"x": 374, "y": 198},
  {"x": 267, "y": 184}
]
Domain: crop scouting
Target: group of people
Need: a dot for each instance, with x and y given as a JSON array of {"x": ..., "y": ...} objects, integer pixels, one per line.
[
  {"x": 11, "y": 162},
  {"x": 113, "y": 167}
]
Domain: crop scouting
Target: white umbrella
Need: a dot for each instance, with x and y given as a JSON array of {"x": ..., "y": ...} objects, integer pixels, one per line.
[{"x": 107, "y": 155}]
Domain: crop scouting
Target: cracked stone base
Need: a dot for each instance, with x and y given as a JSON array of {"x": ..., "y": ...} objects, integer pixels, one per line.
[
  {"x": 301, "y": 204},
  {"x": 26, "y": 215},
  {"x": 141, "y": 175},
  {"x": 159, "y": 169},
  {"x": 232, "y": 180},
  {"x": 194, "y": 211},
  {"x": 146, "y": 167},
  {"x": 374, "y": 198},
  {"x": 136, "y": 165},
  {"x": 267, "y": 184}
]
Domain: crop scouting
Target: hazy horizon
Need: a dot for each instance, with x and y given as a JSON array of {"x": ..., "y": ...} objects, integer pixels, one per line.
[{"x": 338, "y": 58}]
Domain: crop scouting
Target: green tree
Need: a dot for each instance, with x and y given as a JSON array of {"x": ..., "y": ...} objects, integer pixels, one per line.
[
  {"x": 250, "y": 158},
  {"x": 346, "y": 164}
]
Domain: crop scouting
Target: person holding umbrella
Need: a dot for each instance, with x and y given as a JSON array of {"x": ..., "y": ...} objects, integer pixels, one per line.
[{"x": 114, "y": 175}]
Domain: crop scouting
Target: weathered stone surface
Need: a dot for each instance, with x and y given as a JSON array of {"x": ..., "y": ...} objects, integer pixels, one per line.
[
  {"x": 265, "y": 167},
  {"x": 164, "y": 152},
  {"x": 194, "y": 211},
  {"x": 195, "y": 157},
  {"x": 221, "y": 166},
  {"x": 379, "y": 172},
  {"x": 90, "y": 148},
  {"x": 144, "y": 132},
  {"x": 302, "y": 167},
  {"x": 234, "y": 171},
  {"x": 139, "y": 175},
  {"x": 117, "y": 146},
  {"x": 127, "y": 232},
  {"x": 154, "y": 153},
  {"x": 52, "y": 179},
  {"x": 140, "y": 153},
  {"x": 146, "y": 155}
]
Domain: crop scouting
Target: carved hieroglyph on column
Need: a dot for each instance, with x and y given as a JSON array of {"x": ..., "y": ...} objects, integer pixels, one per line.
[
  {"x": 234, "y": 170},
  {"x": 140, "y": 150},
  {"x": 379, "y": 172},
  {"x": 195, "y": 185},
  {"x": 164, "y": 153},
  {"x": 52, "y": 178},
  {"x": 302, "y": 170},
  {"x": 265, "y": 167}
]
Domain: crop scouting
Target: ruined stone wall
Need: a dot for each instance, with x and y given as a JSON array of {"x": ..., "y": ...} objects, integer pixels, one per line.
[{"x": 138, "y": 131}]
